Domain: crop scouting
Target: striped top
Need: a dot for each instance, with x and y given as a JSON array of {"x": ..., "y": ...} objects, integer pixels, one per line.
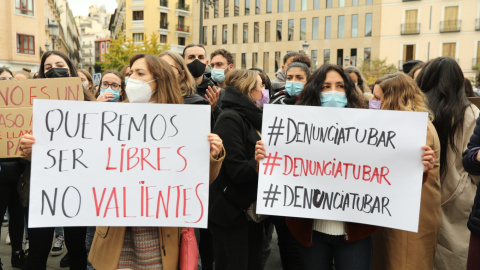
[{"x": 141, "y": 249}]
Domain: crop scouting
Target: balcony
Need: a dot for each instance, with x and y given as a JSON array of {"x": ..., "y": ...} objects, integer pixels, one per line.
[
  {"x": 183, "y": 10},
  {"x": 183, "y": 28},
  {"x": 138, "y": 23},
  {"x": 164, "y": 25},
  {"x": 477, "y": 24},
  {"x": 183, "y": 6},
  {"x": 450, "y": 26},
  {"x": 87, "y": 46},
  {"x": 410, "y": 28}
]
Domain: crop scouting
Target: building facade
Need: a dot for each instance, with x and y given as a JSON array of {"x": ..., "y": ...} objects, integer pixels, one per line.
[{"x": 101, "y": 47}]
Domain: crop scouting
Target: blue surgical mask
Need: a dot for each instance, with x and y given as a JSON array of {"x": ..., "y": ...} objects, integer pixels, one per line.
[
  {"x": 333, "y": 99},
  {"x": 294, "y": 88},
  {"x": 218, "y": 75},
  {"x": 126, "y": 80},
  {"x": 116, "y": 94}
]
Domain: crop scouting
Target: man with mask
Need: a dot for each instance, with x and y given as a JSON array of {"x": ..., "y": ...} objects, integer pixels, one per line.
[
  {"x": 279, "y": 83},
  {"x": 196, "y": 60},
  {"x": 222, "y": 63}
]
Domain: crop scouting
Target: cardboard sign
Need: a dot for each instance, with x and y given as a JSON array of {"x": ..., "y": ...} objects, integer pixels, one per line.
[
  {"x": 16, "y": 100},
  {"x": 354, "y": 165},
  {"x": 119, "y": 164},
  {"x": 96, "y": 78}
]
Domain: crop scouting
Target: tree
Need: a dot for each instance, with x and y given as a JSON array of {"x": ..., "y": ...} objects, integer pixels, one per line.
[
  {"x": 122, "y": 48},
  {"x": 375, "y": 69}
]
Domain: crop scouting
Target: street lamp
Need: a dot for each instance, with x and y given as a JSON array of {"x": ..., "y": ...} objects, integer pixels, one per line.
[
  {"x": 208, "y": 3},
  {"x": 305, "y": 46},
  {"x": 54, "y": 32}
]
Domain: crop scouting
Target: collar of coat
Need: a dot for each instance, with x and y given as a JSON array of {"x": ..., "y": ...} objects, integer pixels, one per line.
[{"x": 239, "y": 102}]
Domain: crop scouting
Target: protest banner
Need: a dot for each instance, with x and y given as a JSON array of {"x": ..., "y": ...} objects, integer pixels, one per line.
[
  {"x": 354, "y": 165},
  {"x": 119, "y": 164},
  {"x": 16, "y": 100}
]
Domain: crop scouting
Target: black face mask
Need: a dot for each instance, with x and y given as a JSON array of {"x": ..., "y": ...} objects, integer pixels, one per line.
[
  {"x": 57, "y": 73},
  {"x": 197, "y": 68}
]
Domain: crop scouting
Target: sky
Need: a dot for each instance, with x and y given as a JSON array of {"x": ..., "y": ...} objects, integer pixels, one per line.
[{"x": 80, "y": 7}]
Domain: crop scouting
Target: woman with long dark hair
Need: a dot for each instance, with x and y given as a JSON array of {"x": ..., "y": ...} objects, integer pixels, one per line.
[{"x": 442, "y": 81}]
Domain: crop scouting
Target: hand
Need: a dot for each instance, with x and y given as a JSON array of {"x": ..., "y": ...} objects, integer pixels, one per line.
[
  {"x": 477, "y": 157},
  {"x": 212, "y": 96},
  {"x": 216, "y": 145},
  {"x": 106, "y": 96},
  {"x": 428, "y": 158},
  {"x": 26, "y": 142},
  {"x": 259, "y": 151}
]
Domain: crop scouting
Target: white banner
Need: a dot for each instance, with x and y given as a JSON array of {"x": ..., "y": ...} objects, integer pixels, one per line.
[
  {"x": 118, "y": 164},
  {"x": 354, "y": 165}
]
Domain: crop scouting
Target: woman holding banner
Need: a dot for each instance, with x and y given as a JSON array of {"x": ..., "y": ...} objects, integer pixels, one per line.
[
  {"x": 397, "y": 249},
  {"x": 442, "y": 81}
]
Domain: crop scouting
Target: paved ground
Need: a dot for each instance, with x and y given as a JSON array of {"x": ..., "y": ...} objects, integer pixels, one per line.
[{"x": 273, "y": 262}]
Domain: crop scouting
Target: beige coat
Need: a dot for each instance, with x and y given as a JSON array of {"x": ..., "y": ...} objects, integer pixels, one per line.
[
  {"x": 401, "y": 250},
  {"x": 458, "y": 192},
  {"x": 108, "y": 241}
]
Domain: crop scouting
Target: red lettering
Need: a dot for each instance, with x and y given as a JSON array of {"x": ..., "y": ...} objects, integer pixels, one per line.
[
  {"x": 112, "y": 195},
  {"x": 184, "y": 159},
  {"x": 41, "y": 89},
  {"x": 32, "y": 87},
  {"x": 129, "y": 157},
  {"x": 178, "y": 199},
  {"x": 148, "y": 198},
  {"x": 144, "y": 158},
  {"x": 201, "y": 204},
  {"x": 285, "y": 171},
  {"x": 125, "y": 203},
  {"x": 160, "y": 197},
  {"x": 366, "y": 172},
  {"x": 108, "y": 162},
  {"x": 97, "y": 205},
  {"x": 383, "y": 175},
  {"x": 185, "y": 202}
]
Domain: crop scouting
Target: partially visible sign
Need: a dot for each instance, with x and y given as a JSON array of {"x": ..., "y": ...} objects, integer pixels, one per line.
[
  {"x": 96, "y": 78},
  {"x": 16, "y": 100}
]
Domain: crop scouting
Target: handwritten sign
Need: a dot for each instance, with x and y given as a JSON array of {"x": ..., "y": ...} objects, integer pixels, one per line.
[
  {"x": 113, "y": 164},
  {"x": 354, "y": 165},
  {"x": 16, "y": 100}
]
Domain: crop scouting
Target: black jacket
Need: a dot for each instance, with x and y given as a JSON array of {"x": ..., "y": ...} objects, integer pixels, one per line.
[
  {"x": 283, "y": 98},
  {"x": 202, "y": 91},
  {"x": 235, "y": 189},
  {"x": 473, "y": 167},
  {"x": 11, "y": 169}
]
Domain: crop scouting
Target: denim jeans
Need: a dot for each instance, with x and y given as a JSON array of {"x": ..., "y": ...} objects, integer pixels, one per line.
[
  {"x": 88, "y": 244},
  {"x": 327, "y": 249}
]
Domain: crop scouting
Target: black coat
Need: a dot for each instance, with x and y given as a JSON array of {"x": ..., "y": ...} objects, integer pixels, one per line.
[
  {"x": 11, "y": 169},
  {"x": 473, "y": 167},
  {"x": 235, "y": 189}
]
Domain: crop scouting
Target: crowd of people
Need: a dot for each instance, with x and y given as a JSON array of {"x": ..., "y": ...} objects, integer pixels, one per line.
[{"x": 449, "y": 225}]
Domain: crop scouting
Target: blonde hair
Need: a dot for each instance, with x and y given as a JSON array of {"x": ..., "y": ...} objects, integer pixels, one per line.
[
  {"x": 242, "y": 80},
  {"x": 186, "y": 80},
  {"x": 26, "y": 72},
  {"x": 401, "y": 93}
]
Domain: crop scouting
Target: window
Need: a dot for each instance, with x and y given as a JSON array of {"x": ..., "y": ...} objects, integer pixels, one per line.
[
  {"x": 181, "y": 41},
  {"x": 138, "y": 15},
  {"x": 163, "y": 39},
  {"x": 277, "y": 60},
  {"x": 269, "y": 6},
  {"x": 279, "y": 30},
  {"x": 267, "y": 31},
  {"x": 353, "y": 57},
  {"x": 292, "y": 5},
  {"x": 316, "y": 4},
  {"x": 326, "y": 56},
  {"x": 448, "y": 49},
  {"x": 341, "y": 3},
  {"x": 215, "y": 9},
  {"x": 290, "y": 29},
  {"x": 367, "y": 55},
  {"x": 451, "y": 22},
  {"x": 329, "y": 4},
  {"x": 236, "y": 8},
  {"x": 315, "y": 28},
  {"x": 234, "y": 33},
  {"x": 24, "y": 7},
  {"x": 247, "y": 7},
  {"x": 258, "y": 5},
  {"x": 265, "y": 62},
  {"x": 225, "y": 8},
  {"x": 103, "y": 45},
  {"x": 205, "y": 29},
  {"x": 304, "y": 4},
  {"x": 354, "y": 3},
  {"x": 411, "y": 17},
  {"x": 354, "y": 25},
  {"x": 409, "y": 52},
  {"x": 244, "y": 61},
  {"x": 340, "y": 57},
  {"x": 256, "y": 32},
  {"x": 369, "y": 2},
  {"x": 314, "y": 59},
  {"x": 341, "y": 26},
  {"x": 206, "y": 12},
  {"x": 280, "y": 6},
  {"x": 214, "y": 35},
  {"x": 224, "y": 34},
  {"x": 254, "y": 60},
  {"x": 137, "y": 37},
  {"x": 245, "y": 33},
  {"x": 163, "y": 20},
  {"x": 328, "y": 27},
  {"x": 368, "y": 24},
  {"x": 303, "y": 29},
  {"x": 25, "y": 44}
]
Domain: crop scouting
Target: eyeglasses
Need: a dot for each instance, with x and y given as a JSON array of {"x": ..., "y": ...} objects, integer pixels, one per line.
[{"x": 115, "y": 86}]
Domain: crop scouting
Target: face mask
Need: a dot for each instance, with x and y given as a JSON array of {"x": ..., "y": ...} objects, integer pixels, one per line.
[
  {"x": 57, "y": 73},
  {"x": 374, "y": 104},
  {"x": 85, "y": 85},
  {"x": 197, "y": 68},
  {"x": 138, "y": 91},
  {"x": 218, "y": 75},
  {"x": 294, "y": 88},
  {"x": 126, "y": 80},
  {"x": 265, "y": 98},
  {"x": 115, "y": 93},
  {"x": 333, "y": 99}
]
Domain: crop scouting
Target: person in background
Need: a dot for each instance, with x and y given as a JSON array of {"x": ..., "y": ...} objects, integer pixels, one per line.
[
  {"x": 414, "y": 71},
  {"x": 112, "y": 87},
  {"x": 125, "y": 71},
  {"x": 5, "y": 74},
  {"x": 468, "y": 88},
  {"x": 278, "y": 83},
  {"x": 442, "y": 82},
  {"x": 221, "y": 63},
  {"x": 397, "y": 249},
  {"x": 87, "y": 80},
  {"x": 360, "y": 83},
  {"x": 297, "y": 76},
  {"x": 24, "y": 74},
  {"x": 407, "y": 66}
]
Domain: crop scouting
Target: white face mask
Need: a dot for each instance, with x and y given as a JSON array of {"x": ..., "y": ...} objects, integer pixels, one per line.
[{"x": 138, "y": 91}]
